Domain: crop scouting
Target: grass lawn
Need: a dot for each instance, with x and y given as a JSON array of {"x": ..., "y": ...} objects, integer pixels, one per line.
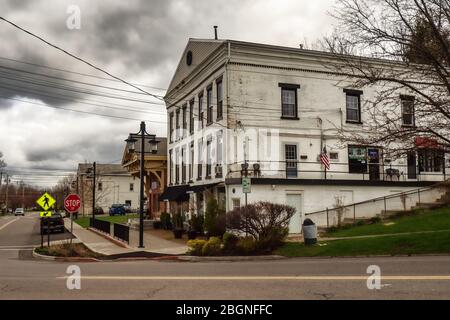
[
  {"x": 438, "y": 242},
  {"x": 84, "y": 221},
  {"x": 438, "y": 219}
]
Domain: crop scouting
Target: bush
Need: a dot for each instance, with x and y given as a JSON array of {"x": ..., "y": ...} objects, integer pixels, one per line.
[
  {"x": 246, "y": 246},
  {"x": 230, "y": 242},
  {"x": 195, "y": 247},
  {"x": 197, "y": 222},
  {"x": 375, "y": 220},
  {"x": 215, "y": 220},
  {"x": 212, "y": 247},
  {"x": 177, "y": 220},
  {"x": 166, "y": 221},
  {"x": 266, "y": 222}
]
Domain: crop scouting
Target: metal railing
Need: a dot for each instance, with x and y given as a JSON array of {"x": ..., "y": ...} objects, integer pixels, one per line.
[
  {"x": 101, "y": 225},
  {"x": 122, "y": 232},
  {"x": 380, "y": 207},
  {"x": 340, "y": 171}
]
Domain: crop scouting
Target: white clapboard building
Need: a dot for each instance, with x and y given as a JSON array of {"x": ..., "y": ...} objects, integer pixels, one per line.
[{"x": 236, "y": 108}]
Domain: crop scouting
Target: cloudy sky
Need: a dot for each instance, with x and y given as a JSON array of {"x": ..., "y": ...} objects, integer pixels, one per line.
[{"x": 139, "y": 41}]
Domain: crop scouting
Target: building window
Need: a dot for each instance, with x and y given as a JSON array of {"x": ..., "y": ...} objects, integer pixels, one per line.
[
  {"x": 430, "y": 160},
  {"x": 191, "y": 116},
  {"x": 171, "y": 127},
  {"x": 236, "y": 203},
  {"x": 220, "y": 147},
  {"x": 131, "y": 186},
  {"x": 170, "y": 166},
  {"x": 208, "y": 158},
  {"x": 334, "y": 156},
  {"x": 290, "y": 151},
  {"x": 184, "y": 119},
  {"x": 219, "y": 89},
  {"x": 177, "y": 166},
  {"x": 407, "y": 110},
  {"x": 209, "y": 106},
  {"x": 357, "y": 159},
  {"x": 200, "y": 160},
  {"x": 200, "y": 111},
  {"x": 289, "y": 103},
  {"x": 353, "y": 105},
  {"x": 100, "y": 186},
  {"x": 191, "y": 163},
  {"x": 183, "y": 164},
  {"x": 177, "y": 124}
]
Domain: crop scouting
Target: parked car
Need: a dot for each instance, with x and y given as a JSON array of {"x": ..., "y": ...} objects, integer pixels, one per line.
[
  {"x": 53, "y": 223},
  {"x": 19, "y": 212},
  {"x": 127, "y": 208},
  {"x": 99, "y": 210},
  {"x": 117, "y": 209}
]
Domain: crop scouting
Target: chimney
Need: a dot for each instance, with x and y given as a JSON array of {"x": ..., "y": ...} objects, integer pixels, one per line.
[{"x": 215, "y": 33}]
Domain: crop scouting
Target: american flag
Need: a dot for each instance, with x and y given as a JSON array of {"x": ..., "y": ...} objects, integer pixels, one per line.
[{"x": 324, "y": 159}]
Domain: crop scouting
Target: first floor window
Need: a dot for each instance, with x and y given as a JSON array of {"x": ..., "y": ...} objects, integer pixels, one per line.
[
  {"x": 200, "y": 160},
  {"x": 208, "y": 157},
  {"x": 357, "y": 159},
  {"x": 430, "y": 160},
  {"x": 236, "y": 203},
  {"x": 131, "y": 186}
]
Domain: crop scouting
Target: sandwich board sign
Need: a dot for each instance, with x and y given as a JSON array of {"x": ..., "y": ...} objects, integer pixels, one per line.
[{"x": 46, "y": 201}]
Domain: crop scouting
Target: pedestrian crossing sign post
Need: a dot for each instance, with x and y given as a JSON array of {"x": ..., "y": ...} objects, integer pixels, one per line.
[
  {"x": 45, "y": 214},
  {"x": 246, "y": 185},
  {"x": 46, "y": 201}
]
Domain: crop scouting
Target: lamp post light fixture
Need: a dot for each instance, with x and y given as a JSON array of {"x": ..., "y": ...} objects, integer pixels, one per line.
[{"x": 131, "y": 145}]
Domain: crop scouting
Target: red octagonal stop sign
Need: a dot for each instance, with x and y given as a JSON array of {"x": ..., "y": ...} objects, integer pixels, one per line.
[{"x": 72, "y": 203}]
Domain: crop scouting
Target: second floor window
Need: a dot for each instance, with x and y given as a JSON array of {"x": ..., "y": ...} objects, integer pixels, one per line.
[
  {"x": 200, "y": 111},
  {"x": 191, "y": 116},
  {"x": 219, "y": 89},
  {"x": 209, "y": 106},
  {"x": 131, "y": 186},
  {"x": 407, "y": 110},
  {"x": 289, "y": 103},
  {"x": 177, "y": 124},
  {"x": 100, "y": 186},
  {"x": 171, "y": 127},
  {"x": 353, "y": 105},
  {"x": 184, "y": 119}
]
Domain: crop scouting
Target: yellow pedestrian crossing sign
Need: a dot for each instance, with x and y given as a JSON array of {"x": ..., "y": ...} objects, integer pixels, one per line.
[
  {"x": 46, "y": 214},
  {"x": 46, "y": 201}
]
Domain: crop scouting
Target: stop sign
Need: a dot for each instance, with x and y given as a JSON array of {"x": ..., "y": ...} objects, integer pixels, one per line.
[{"x": 72, "y": 203}]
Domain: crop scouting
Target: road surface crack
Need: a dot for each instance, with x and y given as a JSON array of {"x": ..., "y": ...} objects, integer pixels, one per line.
[{"x": 150, "y": 294}]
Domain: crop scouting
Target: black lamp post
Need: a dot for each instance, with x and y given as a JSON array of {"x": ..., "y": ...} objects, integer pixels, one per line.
[
  {"x": 93, "y": 172},
  {"x": 131, "y": 144}
]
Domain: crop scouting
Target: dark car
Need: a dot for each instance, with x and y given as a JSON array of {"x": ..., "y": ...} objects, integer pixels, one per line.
[
  {"x": 117, "y": 209},
  {"x": 53, "y": 223},
  {"x": 99, "y": 210}
]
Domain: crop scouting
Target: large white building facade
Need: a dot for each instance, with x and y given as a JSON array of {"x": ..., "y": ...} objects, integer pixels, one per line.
[{"x": 268, "y": 112}]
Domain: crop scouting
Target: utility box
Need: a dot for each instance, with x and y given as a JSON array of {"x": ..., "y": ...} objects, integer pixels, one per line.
[{"x": 309, "y": 229}]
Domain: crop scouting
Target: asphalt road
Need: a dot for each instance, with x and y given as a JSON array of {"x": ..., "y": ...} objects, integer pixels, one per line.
[{"x": 21, "y": 277}]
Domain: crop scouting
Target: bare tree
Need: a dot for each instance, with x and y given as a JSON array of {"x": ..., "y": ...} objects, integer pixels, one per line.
[
  {"x": 2, "y": 162},
  {"x": 409, "y": 43}
]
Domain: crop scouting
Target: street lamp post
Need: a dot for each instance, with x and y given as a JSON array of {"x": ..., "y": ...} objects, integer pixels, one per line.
[
  {"x": 131, "y": 142},
  {"x": 94, "y": 172}
]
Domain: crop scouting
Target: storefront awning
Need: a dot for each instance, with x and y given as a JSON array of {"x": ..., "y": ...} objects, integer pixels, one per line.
[
  {"x": 202, "y": 187},
  {"x": 175, "y": 193}
]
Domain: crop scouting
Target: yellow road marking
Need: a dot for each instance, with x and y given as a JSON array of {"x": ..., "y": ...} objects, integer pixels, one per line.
[
  {"x": 8, "y": 223},
  {"x": 399, "y": 277}
]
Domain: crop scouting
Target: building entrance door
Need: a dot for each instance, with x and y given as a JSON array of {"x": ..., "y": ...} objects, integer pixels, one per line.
[
  {"x": 412, "y": 168},
  {"x": 373, "y": 156}
]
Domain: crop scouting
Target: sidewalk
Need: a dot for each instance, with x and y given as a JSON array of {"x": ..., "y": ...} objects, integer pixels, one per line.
[
  {"x": 156, "y": 244},
  {"x": 95, "y": 242},
  {"x": 104, "y": 246}
]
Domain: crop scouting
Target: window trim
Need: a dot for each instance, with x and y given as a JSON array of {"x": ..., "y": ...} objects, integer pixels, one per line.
[
  {"x": 410, "y": 99},
  {"x": 219, "y": 116},
  {"x": 353, "y": 93},
  {"x": 290, "y": 87}
]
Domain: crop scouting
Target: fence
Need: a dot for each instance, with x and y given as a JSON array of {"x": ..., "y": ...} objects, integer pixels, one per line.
[
  {"x": 382, "y": 207},
  {"x": 122, "y": 232},
  {"x": 101, "y": 225}
]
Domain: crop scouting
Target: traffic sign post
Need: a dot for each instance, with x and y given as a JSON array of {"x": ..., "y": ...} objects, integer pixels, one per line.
[
  {"x": 72, "y": 204},
  {"x": 46, "y": 202}
]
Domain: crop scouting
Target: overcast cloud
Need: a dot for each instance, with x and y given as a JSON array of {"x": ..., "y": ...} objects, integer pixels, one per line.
[{"x": 140, "y": 41}]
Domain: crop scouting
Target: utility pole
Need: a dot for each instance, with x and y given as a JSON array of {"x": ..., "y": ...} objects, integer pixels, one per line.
[
  {"x": 93, "y": 191},
  {"x": 23, "y": 194},
  {"x": 6, "y": 195}
]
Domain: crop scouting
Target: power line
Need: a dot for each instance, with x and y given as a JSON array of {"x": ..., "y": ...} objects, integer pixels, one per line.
[
  {"x": 79, "y": 111},
  {"x": 77, "y": 73},
  {"x": 75, "y": 57}
]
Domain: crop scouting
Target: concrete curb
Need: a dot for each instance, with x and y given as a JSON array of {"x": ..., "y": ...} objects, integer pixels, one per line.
[
  {"x": 110, "y": 238},
  {"x": 230, "y": 258},
  {"x": 39, "y": 256}
]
